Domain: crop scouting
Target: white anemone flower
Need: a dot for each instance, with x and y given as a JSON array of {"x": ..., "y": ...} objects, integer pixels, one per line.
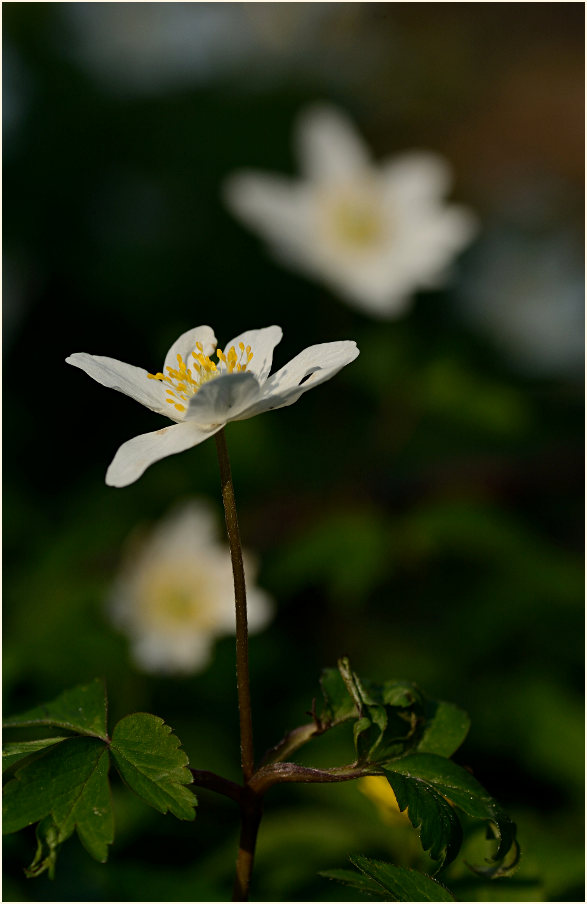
[
  {"x": 174, "y": 594},
  {"x": 374, "y": 234},
  {"x": 202, "y": 395}
]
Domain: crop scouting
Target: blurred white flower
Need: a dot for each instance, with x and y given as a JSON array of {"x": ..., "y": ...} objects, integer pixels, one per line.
[
  {"x": 202, "y": 395},
  {"x": 374, "y": 234},
  {"x": 174, "y": 594}
]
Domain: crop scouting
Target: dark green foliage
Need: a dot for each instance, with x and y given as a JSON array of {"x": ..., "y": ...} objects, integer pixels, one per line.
[
  {"x": 440, "y": 830},
  {"x": 62, "y": 783},
  {"x": 387, "y": 715},
  {"x": 410, "y": 738},
  {"x": 12, "y": 752},
  {"x": 438, "y": 775},
  {"x": 392, "y": 718},
  {"x": 392, "y": 883}
]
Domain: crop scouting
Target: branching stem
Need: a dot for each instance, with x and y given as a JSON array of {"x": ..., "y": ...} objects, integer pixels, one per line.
[{"x": 249, "y": 796}]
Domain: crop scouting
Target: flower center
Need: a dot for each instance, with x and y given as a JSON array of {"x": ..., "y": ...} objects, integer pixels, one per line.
[
  {"x": 171, "y": 602},
  {"x": 353, "y": 217},
  {"x": 184, "y": 381},
  {"x": 356, "y": 222}
]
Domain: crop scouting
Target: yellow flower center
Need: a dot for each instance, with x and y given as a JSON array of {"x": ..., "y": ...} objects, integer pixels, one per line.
[
  {"x": 352, "y": 216},
  {"x": 356, "y": 222},
  {"x": 169, "y": 602},
  {"x": 184, "y": 381}
]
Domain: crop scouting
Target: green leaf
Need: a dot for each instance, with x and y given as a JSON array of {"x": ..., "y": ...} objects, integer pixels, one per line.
[
  {"x": 355, "y": 880},
  {"x": 390, "y": 715},
  {"x": 81, "y": 709},
  {"x": 14, "y": 751},
  {"x": 445, "y": 728},
  {"x": 394, "y": 883},
  {"x": 47, "y": 849},
  {"x": 415, "y": 777},
  {"x": 70, "y": 782},
  {"x": 148, "y": 757},
  {"x": 401, "y": 883},
  {"x": 440, "y": 830},
  {"x": 339, "y": 706}
]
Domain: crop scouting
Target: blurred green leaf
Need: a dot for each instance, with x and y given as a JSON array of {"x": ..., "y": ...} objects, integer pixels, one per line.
[
  {"x": 81, "y": 709},
  {"x": 451, "y": 389},
  {"x": 424, "y": 782},
  {"x": 347, "y": 552},
  {"x": 147, "y": 755},
  {"x": 394, "y": 883},
  {"x": 70, "y": 782},
  {"x": 13, "y": 752}
]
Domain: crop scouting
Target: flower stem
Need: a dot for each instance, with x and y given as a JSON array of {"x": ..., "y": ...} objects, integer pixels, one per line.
[
  {"x": 251, "y": 813},
  {"x": 240, "y": 599}
]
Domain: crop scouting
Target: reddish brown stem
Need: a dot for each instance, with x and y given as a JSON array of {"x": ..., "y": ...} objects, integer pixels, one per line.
[{"x": 240, "y": 600}]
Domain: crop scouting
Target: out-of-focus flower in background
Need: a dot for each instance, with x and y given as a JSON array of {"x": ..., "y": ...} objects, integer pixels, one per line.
[
  {"x": 174, "y": 597},
  {"x": 201, "y": 396},
  {"x": 375, "y": 234},
  {"x": 527, "y": 293},
  {"x": 378, "y": 789}
]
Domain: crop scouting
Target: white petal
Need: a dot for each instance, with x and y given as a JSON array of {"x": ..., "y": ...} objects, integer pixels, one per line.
[
  {"x": 191, "y": 525},
  {"x": 223, "y": 399},
  {"x": 132, "y": 381},
  {"x": 186, "y": 344},
  {"x": 417, "y": 177},
  {"x": 329, "y": 147},
  {"x": 172, "y": 654},
  {"x": 135, "y": 456},
  {"x": 274, "y": 206},
  {"x": 262, "y": 343},
  {"x": 308, "y": 369},
  {"x": 260, "y": 608}
]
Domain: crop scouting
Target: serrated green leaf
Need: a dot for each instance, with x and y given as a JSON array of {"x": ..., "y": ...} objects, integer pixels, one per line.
[
  {"x": 81, "y": 709},
  {"x": 440, "y": 830},
  {"x": 14, "y": 751},
  {"x": 434, "y": 774},
  {"x": 446, "y": 727},
  {"x": 355, "y": 880},
  {"x": 70, "y": 782},
  {"x": 399, "y": 883},
  {"x": 147, "y": 755}
]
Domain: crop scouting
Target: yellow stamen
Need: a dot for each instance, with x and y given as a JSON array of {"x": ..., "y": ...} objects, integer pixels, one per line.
[{"x": 185, "y": 380}]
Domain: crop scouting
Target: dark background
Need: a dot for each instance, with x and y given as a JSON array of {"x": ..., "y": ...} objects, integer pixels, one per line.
[{"x": 421, "y": 513}]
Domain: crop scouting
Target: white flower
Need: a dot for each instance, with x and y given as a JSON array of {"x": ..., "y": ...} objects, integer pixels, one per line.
[
  {"x": 374, "y": 234},
  {"x": 174, "y": 594},
  {"x": 201, "y": 395}
]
